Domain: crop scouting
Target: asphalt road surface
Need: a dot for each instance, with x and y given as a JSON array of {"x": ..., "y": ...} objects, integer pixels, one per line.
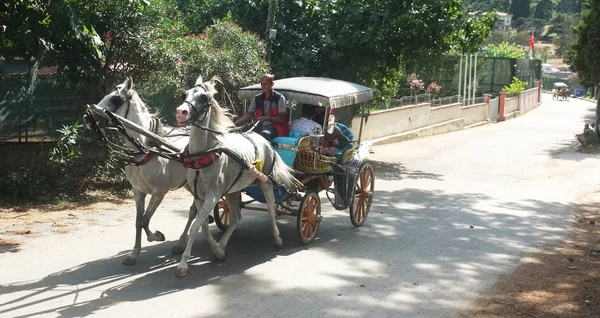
[{"x": 450, "y": 214}]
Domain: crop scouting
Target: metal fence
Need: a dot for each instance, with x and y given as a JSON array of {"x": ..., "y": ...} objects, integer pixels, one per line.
[{"x": 493, "y": 73}]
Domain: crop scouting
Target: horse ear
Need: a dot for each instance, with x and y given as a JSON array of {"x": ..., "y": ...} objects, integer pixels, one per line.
[
  {"x": 199, "y": 81},
  {"x": 129, "y": 81},
  {"x": 123, "y": 89}
]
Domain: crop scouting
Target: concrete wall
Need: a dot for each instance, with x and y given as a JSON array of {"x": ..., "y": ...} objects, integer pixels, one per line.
[
  {"x": 511, "y": 105},
  {"x": 473, "y": 114},
  {"x": 399, "y": 120},
  {"x": 528, "y": 100},
  {"x": 392, "y": 121},
  {"x": 443, "y": 113}
]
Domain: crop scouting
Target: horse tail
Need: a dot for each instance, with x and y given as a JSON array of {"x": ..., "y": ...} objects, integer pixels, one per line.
[{"x": 284, "y": 174}]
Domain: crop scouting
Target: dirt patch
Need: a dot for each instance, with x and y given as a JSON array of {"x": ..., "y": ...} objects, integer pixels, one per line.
[
  {"x": 563, "y": 281},
  {"x": 36, "y": 213}
]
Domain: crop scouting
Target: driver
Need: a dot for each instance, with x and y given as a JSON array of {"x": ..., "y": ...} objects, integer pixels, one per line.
[{"x": 271, "y": 111}]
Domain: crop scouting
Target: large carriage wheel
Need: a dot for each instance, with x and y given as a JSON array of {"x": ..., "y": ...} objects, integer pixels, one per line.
[
  {"x": 363, "y": 195},
  {"x": 222, "y": 215},
  {"x": 309, "y": 217}
]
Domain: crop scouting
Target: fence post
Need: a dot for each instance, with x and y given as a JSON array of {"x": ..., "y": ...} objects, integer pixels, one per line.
[
  {"x": 501, "y": 106},
  {"x": 539, "y": 85},
  {"x": 487, "y": 98}
]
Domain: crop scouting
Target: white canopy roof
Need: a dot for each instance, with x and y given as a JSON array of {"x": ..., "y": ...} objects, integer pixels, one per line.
[{"x": 318, "y": 91}]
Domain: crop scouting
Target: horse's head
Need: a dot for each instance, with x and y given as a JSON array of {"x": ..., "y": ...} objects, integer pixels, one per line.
[
  {"x": 198, "y": 103},
  {"x": 117, "y": 102},
  {"x": 119, "y": 98}
]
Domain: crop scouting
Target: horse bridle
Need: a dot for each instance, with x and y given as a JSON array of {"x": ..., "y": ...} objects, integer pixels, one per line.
[
  {"x": 121, "y": 101},
  {"x": 203, "y": 111}
]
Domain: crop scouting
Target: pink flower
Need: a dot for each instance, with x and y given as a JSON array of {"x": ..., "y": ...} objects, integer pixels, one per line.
[
  {"x": 160, "y": 41},
  {"x": 180, "y": 61},
  {"x": 183, "y": 90},
  {"x": 202, "y": 36}
]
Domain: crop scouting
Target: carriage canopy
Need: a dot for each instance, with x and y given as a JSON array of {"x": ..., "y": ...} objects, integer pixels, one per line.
[{"x": 320, "y": 91}]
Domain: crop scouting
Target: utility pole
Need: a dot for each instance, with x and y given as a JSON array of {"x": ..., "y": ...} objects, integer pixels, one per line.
[{"x": 270, "y": 36}]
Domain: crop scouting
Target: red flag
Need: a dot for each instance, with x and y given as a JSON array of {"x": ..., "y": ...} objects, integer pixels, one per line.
[{"x": 531, "y": 41}]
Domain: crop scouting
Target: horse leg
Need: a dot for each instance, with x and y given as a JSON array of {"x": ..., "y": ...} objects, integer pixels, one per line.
[
  {"x": 140, "y": 198},
  {"x": 178, "y": 249},
  {"x": 155, "y": 201},
  {"x": 267, "y": 189},
  {"x": 204, "y": 208},
  {"x": 233, "y": 201}
]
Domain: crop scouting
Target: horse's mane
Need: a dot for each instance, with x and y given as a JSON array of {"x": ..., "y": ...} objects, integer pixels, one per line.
[
  {"x": 220, "y": 117},
  {"x": 161, "y": 130}
]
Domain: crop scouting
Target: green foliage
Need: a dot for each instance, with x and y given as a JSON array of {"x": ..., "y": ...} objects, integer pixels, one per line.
[
  {"x": 584, "y": 56},
  {"x": 505, "y": 49},
  {"x": 61, "y": 171},
  {"x": 515, "y": 87},
  {"x": 489, "y": 5},
  {"x": 520, "y": 8},
  {"x": 543, "y": 9},
  {"x": 223, "y": 50}
]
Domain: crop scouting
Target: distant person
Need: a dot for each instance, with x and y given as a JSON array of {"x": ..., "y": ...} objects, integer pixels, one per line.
[{"x": 587, "y": 137}]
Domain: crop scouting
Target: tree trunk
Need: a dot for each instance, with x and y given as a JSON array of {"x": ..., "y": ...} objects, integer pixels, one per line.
[
  {"x": 270, "y": 25},
  {"x": 597, "y": 114}
]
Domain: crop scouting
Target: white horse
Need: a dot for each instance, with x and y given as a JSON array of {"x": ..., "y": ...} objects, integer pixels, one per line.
[
  {"x": 224, "y": 173},
  {"x": 150, "y": 174}
]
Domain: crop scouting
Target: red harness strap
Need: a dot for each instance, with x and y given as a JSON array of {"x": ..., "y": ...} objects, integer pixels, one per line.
[
  {"x": 144, "y": 160},
  {"x": 200, "y": 163}
]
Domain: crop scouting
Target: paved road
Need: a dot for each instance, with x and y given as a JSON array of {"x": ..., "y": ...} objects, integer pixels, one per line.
[{"x": 417, "y": 256}]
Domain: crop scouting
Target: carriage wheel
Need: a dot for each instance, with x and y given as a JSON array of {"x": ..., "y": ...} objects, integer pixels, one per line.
[
  {"x": 222, "y": 215},
  {"x": 309, "y": 217},
  {"x": 363, "y": 195}
]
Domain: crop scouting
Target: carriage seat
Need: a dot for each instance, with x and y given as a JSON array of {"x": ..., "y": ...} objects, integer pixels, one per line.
[{"x": 287, "y": 146}]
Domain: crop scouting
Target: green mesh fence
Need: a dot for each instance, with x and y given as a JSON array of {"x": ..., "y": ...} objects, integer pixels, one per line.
[
  {"x": 492, "y": 74},
  {"x": 32, "y": 110}
]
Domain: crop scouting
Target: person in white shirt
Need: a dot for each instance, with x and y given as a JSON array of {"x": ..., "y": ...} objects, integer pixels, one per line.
[{"x": 305, "y": 123}]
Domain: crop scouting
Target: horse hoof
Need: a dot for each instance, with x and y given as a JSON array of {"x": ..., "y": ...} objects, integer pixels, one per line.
[
  {"x": 159, "y": 236},
  {"x": 177, "y": 250},
  {"x": 129, "y": 261},
  {"x": 220, "y": 259},
  {"x": 181, "y": 272},
  {"x": 278, "y": 246}
]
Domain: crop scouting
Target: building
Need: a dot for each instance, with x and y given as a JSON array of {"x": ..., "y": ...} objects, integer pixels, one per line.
[{"x": 504, "y": 21}]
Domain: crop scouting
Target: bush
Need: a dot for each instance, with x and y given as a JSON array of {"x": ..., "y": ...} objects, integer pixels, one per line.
[
  {"x": 62, "y": 171},
  {"x": 222, "y": 50},
  {"x": 516, "y": 87}
]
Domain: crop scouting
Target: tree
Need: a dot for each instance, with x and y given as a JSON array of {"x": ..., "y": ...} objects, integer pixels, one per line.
[
  {"x": 520, "y": 8},
  {"x": 543, "y": 10},
  {"x": 488, "y": 5},
  {"x": 569, "y": 6},
  {"x": 584, "y": 57}
]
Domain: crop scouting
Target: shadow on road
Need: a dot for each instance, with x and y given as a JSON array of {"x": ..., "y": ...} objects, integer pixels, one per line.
[
  {"x": 381, "y": 259},
  {"x": 397, "y": 171}
]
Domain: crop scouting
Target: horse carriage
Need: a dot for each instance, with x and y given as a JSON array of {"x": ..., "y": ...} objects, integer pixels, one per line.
[
  {"x": 318, "y": 166},
  {"x": 221, "y": 161},
  {"x": 561, "y": 91}
]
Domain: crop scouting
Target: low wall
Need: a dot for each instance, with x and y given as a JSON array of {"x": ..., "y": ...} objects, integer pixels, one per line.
[
  {"x": 511, "y": 105},
  {"x": 528, "y": 100},
  {"x": 392, "y": 121},
  {"x": 395, "y": 121},
  {"x": 473, "y": 114},
  {"x": 443, "y": 113}
]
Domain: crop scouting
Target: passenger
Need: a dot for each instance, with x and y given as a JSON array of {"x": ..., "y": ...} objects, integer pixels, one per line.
[
  {"x": 271, "y": 113},
  {"x": 305, "y": 123}
]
